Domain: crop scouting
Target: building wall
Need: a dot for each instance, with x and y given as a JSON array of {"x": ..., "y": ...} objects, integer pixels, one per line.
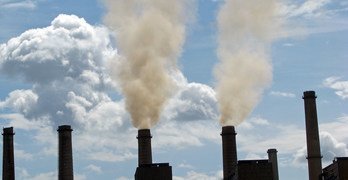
[
  {"x": 255, "y": 170},
  {"x": 160, "y": 171},
  {"x": 338, "y": 170}
]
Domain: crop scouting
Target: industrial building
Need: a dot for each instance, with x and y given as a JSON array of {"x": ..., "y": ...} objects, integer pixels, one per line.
[
  {"x": 262, "y": 169},
  {"x": 255, "y": 169},
  {"x": 337, "y": 170}
]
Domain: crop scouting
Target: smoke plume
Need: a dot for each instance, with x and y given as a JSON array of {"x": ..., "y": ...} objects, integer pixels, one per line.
[
  {"x": 246, "y": 29},
  {"x": 149, "y": 37}
]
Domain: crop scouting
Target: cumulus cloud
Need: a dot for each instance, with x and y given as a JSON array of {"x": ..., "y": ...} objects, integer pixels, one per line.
[
  {"x": 340, "y": 87},
  {"x": 64, "y": 62},
  {"x": 330, "y": 148},
  {"x": 20, "y": 100},
  {"x": 193, "y": 101}
]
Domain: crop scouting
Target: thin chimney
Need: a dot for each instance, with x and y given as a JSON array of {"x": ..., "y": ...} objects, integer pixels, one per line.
[
  {"x": 229, "y": 153},
  {"x": 65, "y": 159},
  {"x": 312, "y": 134},
  {"x": 144, "y": 147},
  {"x": 272, "y": 157},
  {"x": 8, "y": 170}
]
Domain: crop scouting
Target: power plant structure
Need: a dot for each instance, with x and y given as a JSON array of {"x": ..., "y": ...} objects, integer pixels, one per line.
[
  {"x": 8, "y": 166},
  {"x": 312, "y": 136},
  {"x": 229, "y": 153},
  {"x": 338, "y": 170},
  {"x": 65, "y": 155},
  {"x": 146, "y": 169},
  {"x": 233, "y": 169}
]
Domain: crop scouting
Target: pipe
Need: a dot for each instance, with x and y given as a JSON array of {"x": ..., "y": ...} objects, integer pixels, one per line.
[
  {"x": 312, "y": 135},
  {"x": 229, "y": 153}
]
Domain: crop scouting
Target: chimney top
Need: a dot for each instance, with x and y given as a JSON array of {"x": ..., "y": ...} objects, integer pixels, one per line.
[
  {"x": 144, "y": 133},
  {"x": 64, "y": 128},
  {"x": 226, "y": 130},
  {"x": 272, "y": 151},
  {"x": 8, "y": 131},
  {"x": 309, "y": 94}
]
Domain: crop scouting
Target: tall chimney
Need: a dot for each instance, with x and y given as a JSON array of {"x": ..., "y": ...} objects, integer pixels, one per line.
[
  {"x": 229, "y": 153},
  {"x": 65, "y": 159},
  {"x": 8, "y": 170},
  {"x": 144, "y": 147},
  {"x": 272, "y": 157},
  {"x": 312, "y": 133}
]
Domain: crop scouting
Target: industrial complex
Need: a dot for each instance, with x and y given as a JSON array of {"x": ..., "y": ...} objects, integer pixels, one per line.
[{"x": 233, "y": 169}]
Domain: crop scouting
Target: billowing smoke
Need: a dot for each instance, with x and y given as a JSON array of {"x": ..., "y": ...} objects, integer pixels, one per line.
[
  {"x": 149, "y": 37},
  {"x": 246, "y": 29}
]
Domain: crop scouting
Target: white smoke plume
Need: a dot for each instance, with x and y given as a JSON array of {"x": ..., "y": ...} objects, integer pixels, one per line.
[
  {"x": 246, "y": 29},
  {"x": 149, "y": 36}
]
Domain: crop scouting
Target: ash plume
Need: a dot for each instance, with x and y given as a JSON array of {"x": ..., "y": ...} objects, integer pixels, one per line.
[
  {"x": 149, "y": 36},
  {"x": 246, "y": 29}
]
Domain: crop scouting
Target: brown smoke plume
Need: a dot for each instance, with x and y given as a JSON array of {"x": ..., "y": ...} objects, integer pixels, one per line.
[
  {"x": 149, "y": 36},
  {"x": 246, "y": 30}
]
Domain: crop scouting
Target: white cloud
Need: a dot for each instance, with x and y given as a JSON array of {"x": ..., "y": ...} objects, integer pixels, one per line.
[
  {"x": 65, "y": 64},
  {"x": 94, "y": 168},
  {"x": 303, "y": 18},
  {"x": 307, "y": 9},
  {"x": 186, "y": 166},
  {"x": 23, "y": 174},
  {"x": 17, "y": 4},
  {"x": 282, "y": 94},
  {"x": 192, "y": 175},
  {"x": 340, "y": 87},
  {"x": 311, "y": 8},
  {"x": 330, "y": 148},
  {"x": 20, "y": 100},
  {"x": 193, "y": 101},
  {"x": 21, "y": 154}
]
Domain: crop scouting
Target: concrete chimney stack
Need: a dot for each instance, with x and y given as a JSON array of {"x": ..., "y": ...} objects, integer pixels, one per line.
[
  {"x": 8, "y": 169},
  {"x": 65, "y": 157},
  {"x": 272, "y": 158},
  {"x": 229, "y": 153},
  {"x": 312, "y": 134},
  {"x": 144, "y": 147}
]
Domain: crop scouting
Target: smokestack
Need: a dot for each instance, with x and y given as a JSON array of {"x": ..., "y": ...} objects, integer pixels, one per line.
[
  {"x": 312, "y": 133},
  {"x": 272, "y": 157},
  {"x": 65, "y": 159},
  {"x": 229, "y": 153},
  {"x": 144, "y": 147},
  {"x": 8, "y": 170}
]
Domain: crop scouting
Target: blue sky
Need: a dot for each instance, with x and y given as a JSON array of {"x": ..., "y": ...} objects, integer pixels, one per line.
[{"x": 54, "y": 70}]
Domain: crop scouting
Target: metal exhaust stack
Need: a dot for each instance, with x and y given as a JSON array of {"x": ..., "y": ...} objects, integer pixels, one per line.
[
  {"x": 65, "y": 158},
  {"x": 312, "y": 134},
  {"x": 8, "y": 170},
  {"x": 144, "y": 147},
  {"x": 229, "y": 153},
  {"x": 272, "y": 157}
]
